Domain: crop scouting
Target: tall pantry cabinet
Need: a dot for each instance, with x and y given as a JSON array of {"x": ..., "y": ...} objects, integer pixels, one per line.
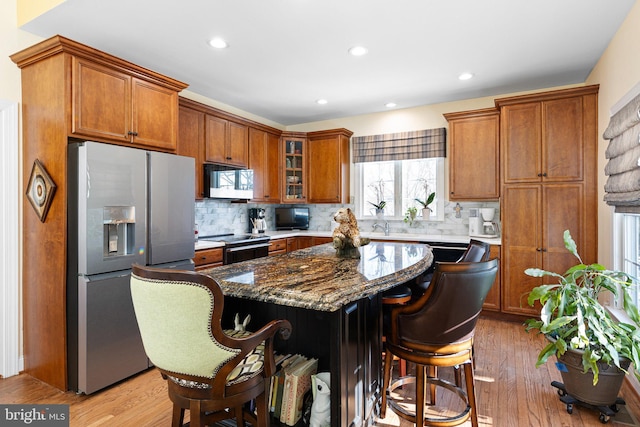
[{"x": 548, "y": 148}]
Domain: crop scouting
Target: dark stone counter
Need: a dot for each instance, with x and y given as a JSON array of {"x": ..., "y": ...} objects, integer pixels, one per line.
[{"x": 317, "y": 279}]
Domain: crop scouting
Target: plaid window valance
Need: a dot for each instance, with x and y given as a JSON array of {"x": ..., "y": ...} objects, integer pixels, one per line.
[
  {"x": 420, "y": 144},
  {"x": 622, "y": 188}
]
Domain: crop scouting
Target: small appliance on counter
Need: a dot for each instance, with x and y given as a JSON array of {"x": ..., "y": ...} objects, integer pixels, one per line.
[
  {"x": 481, "y": 223},
  {"x": 257, "y": 220},
  {"x": 292, "y": 218},
  {"x": 475, "y": 222},
  {"x": 489, "y": 227}
]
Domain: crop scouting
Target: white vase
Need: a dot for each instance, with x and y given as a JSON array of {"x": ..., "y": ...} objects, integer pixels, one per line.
[
  {"x": 426, "y": 213},
  {"x": 380, "y": 213}
]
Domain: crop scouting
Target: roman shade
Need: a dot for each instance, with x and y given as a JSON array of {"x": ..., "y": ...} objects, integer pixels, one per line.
[
  {"x": 420, "y": 144},
  {"x": 622, "y": 188}
]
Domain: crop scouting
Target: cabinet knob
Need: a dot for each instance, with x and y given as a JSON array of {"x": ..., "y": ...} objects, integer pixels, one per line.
[
  {"x": 228, "y": 158},
  {"x": 544, "y": 174},
  {"x": 133, "y": 133}
]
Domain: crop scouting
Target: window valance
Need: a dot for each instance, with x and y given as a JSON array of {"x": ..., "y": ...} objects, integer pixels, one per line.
[
  {"x": 420, "y": 144},
  {"x": 622, "y": 188}
]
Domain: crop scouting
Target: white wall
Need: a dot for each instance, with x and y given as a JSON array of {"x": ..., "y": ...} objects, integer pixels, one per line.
[
  {"x": 13, "y": 40},
  {"x": 617, "y": 71}
]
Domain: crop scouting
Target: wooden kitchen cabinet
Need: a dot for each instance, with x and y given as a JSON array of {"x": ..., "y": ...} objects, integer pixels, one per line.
[
  {"x": 277, "y": 246},
  {"x": 292, "y": 244},
  {"x": 112, "y": 104},
  {"x": 305, "y": 242},
  {"x": 264, "y": 160},
  {"x": 191, "y": 142},
  {"x": 294, "y": 166},
  {"x": 548, "y": 149},
  {"x": 546, "y": 140},
  {"x": 227, "y": 142},
  {"x": 474, "y": 154},
  {"x": 492, "y": 301},
  {"x": 328, "y": 172},
  {"x": 207, "y": 258},
  {"x": 70, "y": 90}
]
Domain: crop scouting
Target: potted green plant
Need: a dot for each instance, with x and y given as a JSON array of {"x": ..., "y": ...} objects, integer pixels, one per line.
[
  {"x": 426, "y": 211},
  {"x": 379, "y": 207},
  {"x": 593, "y": 350},
  {"x": 410, "y": 215}
]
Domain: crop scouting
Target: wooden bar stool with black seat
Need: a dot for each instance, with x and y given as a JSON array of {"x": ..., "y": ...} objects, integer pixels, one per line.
[
  {"x": 398, "y": 295},
  {"x": 437, "y": 330}
]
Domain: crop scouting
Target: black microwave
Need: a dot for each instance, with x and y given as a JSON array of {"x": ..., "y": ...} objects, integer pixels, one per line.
[{"x": 292, "y": 218}]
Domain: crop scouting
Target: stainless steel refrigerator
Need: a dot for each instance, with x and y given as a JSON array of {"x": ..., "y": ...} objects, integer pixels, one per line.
[{"x": 126, "y": 206}]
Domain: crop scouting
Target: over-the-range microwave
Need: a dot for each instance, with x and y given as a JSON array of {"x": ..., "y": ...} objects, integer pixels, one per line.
[{"x": 224, "y": 182}]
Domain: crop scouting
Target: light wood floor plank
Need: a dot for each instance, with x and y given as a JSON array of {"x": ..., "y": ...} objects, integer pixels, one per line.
[{"x": 511, "y": 392}]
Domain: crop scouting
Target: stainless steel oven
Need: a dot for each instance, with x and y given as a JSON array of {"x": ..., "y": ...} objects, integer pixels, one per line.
[{"x": 238, "y": 248}]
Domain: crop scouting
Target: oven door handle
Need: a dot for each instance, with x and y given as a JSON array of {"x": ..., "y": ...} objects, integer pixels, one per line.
[{"x": 245, "y": 247}]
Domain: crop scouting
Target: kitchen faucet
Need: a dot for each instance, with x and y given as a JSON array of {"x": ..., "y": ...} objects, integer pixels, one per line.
[{"x": 384, "y": 227}]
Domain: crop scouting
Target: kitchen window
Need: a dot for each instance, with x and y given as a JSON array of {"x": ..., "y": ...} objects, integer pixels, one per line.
[
  {"x": 399, "y": 183},
  {"x": 628, "y": 249}
]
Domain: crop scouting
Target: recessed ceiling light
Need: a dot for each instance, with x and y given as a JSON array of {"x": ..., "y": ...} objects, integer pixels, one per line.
[
  {"x": 465, "y": 76},
  {"x": 321, "y": 101},
  {"x": 218, "y": 43},
  {"x": 390, "y": 104},
  {"x": 358, "y": 50}
]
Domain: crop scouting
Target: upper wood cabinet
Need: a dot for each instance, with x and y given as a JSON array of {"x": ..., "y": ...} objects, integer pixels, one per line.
[
  {"x": 191, "y": 142},
  {"x": 108, "y": 103},
  {"x": 226, "y": 142},
  {"x": 294, "y": 166},
  {"x": 474, "y": 141},
  {"x": 545, "y": 139},
  {"x": 264, "y": 160},
  {"x": 329, "y": 167},
  {"x": 210, "y": 135}
]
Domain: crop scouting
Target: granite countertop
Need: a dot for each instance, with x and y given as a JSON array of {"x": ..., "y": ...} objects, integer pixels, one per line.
[{"x": 317, "y": 279}]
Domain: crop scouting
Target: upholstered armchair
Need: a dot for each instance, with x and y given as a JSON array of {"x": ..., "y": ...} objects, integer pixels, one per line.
[{"x": 211, "y": 372}]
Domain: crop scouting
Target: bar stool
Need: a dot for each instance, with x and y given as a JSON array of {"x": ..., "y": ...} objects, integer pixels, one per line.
[
  {"x": 450, "y": 308},
  {"x": 398, "y": 295}
]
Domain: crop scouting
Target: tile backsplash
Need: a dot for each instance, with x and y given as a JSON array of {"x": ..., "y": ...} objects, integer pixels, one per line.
[{"x": 221, "y": 217}]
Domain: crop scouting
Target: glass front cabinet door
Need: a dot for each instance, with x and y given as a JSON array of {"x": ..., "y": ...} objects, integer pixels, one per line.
[{"x": 295, "y": 169}]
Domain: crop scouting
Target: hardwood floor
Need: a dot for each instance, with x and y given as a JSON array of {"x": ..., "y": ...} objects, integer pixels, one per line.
[{"x": 510, "y": 391}]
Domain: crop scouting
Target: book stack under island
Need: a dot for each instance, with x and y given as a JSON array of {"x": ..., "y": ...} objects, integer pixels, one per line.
[{"x": 289, "y": 386}]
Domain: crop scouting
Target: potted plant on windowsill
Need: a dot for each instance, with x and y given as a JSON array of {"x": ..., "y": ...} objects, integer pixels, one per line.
[
  {"x": 593, "y": 350},
  {"x": 426, "y": 211},
  {"x": 410, "y": 215},
  {"x": 379, "y": 208}
]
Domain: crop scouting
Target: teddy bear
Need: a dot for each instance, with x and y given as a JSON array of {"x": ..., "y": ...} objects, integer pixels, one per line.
[{"x": 347, "y": 235}]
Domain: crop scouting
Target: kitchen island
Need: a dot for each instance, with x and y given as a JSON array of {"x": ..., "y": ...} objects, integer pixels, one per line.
[{"x": 334, "y": 305}]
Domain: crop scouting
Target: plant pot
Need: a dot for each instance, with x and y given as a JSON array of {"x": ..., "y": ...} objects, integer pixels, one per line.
[
  {"x": 426, "y": 213},
  {"x": 380, "y": 213},
  {"x": 580, "y": 385}
]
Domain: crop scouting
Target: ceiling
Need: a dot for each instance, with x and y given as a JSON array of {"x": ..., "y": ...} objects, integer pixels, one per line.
[{"x": 284, "y": 55}]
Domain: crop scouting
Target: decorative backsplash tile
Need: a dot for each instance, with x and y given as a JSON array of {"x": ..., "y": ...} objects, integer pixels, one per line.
[{"x": 221, "y": 217}]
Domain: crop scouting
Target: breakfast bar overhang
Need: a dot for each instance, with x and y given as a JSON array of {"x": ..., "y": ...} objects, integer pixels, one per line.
[{"x": 334, "y": 305}]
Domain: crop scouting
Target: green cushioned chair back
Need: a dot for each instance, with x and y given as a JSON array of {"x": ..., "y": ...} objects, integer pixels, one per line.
[{"x": 174, "y": 319}]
